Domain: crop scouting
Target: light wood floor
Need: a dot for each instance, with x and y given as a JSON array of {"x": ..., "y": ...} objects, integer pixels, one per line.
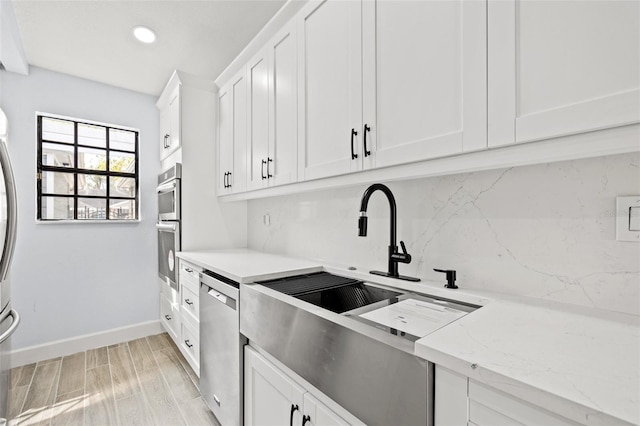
[{"x": 142, "y": 382}]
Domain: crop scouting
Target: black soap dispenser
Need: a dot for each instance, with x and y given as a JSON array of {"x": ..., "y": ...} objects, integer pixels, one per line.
[{"x": 451, "y": 277}]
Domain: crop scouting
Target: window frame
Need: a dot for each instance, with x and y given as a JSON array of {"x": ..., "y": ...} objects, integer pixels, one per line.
[{"x": 77, "y": 171}]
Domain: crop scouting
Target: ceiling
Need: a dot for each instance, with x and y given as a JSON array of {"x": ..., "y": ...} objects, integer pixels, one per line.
[{"x": 93, "y": 39}]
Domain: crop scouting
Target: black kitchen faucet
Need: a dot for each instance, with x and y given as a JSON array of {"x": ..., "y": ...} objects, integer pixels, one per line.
[{"x": 395, "y": 257}]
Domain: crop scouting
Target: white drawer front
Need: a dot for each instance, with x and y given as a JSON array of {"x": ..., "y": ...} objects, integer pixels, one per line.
[
  {"x": 189, "y": 276},
  {"x": 189, "y": 303},
  {"x": 169, "y": 293},
  {"x": 488, "y": 406},
  {"x": 169, "y": 316},
  {"x": 190, "y": 345}
]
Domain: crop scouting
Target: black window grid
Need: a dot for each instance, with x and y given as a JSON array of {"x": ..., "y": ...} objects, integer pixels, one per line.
[{"x": 76, "y": 171}]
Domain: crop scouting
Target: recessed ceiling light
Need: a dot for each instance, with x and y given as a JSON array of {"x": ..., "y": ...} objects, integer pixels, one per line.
[{"x": 144, "y": 34}]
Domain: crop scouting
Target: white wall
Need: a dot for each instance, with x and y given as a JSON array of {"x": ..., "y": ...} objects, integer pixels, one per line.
[
  {"x": 70, "y": 280},
  {"x": 546, "y": 231}
]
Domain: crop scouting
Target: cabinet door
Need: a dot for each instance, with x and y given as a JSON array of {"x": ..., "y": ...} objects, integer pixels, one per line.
[
  {"x": 490, "y": 407},
  {"x": 175, "y": 120},
  {"x": 424, "y": 78},
  {"x": 330, "y": 87},
  {"x": 258, "y": 120},
  {"x": 319, "y": 414},
  {"x": 225, "y": 137},
  {"x": 232, "y": 123},
  {"x": 238, "y": 176},
  {"x": 165, "y": 131},
  {"x": 169, "y": 317},
  {"x": 283, "y": 108},
  {"x": 450, "y": 398},
  {"x": 562, "y": 67},
  {"x": 270, "y": 397}
]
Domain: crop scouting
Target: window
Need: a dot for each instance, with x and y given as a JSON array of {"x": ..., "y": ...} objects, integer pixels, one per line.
[{"x": 86, "y": 171}]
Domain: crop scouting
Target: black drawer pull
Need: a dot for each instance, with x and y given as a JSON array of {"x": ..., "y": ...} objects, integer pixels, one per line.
[
  {"x": 188, "y": 343},
  {"x": 293, "y": 409},
  {"x": 353, "y": 134},
  {"x": 367, "y": 129},
  {"x": 188, "y": 302},
  {"x": 168, "y": 317}
]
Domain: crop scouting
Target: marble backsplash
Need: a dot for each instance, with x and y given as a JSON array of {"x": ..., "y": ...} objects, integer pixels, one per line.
[{"x": 545, "y": 231}]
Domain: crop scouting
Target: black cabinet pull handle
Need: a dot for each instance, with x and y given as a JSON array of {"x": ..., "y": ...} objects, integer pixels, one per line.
[
  {"x": 188, "y": 302},
  {"x": 269, "y": 160},
  {"x": 367, "y": 129},
  {"x": 293, "y": 409},
  {"x": 168, "y": 317},
  {"x": 224, "y": 181},
  {"x": 188, "y": 343},
  {"x": 166, "y": 137},
  {"x": 229, "y": 180},
  {"x": 305, "y": 419},
  {"x": 262, "y": 169},
  {"x": 353, "y": 134}
]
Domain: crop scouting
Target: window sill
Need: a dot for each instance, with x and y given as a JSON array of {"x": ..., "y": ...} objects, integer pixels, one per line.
[{"x": 83, "y": 222}]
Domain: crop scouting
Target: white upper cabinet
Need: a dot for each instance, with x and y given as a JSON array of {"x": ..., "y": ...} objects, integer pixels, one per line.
[
  {"x": 273, "y": 114},
  {"x": 232, "y": 129},
  {"x": 562, "y": 67},
  {"x": 330, "y": 88},
  {"x": 424, "y": 79},
  {"x": 258, "y": 120},
  {"x": 170, "y": 124},
  {"x": 283, "y": 107},
  {"x": 390, "y": 82}
]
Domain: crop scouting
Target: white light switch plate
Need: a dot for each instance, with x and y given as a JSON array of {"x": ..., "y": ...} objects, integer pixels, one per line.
[{"x": 627, "y": 220}]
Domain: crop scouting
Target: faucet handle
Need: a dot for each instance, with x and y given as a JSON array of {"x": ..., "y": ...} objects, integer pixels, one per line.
[{"x": 403, "y": 257}]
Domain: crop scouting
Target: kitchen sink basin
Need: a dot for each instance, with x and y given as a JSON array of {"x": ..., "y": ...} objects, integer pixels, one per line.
[{"x": 415, "y": 316}]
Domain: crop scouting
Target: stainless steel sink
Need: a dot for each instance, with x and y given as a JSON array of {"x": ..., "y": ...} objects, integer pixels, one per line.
[{"x": 318, "y": 332}]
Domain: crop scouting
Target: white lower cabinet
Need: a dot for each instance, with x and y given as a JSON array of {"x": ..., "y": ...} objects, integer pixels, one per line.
[
  {"x": 169, "y": 316},
  {"x": 490, "y": 407},
  {"x": 462, "y": 401},
  {"x": 180, "y": 313},
  {"x": 273, "y": 397},
  {"x": 450, "y": 408}
]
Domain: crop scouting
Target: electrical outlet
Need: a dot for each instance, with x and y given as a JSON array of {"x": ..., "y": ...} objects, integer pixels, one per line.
[{"x": 628, "y": 218}]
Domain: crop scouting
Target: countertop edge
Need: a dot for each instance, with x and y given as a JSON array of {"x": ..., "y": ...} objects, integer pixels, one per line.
[{"x": 551, "y": 402}]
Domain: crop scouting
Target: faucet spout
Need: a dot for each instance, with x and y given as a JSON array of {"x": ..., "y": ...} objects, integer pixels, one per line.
[
  {"x": 364, "y": 203},
  {"x": 394, "y": 256}
]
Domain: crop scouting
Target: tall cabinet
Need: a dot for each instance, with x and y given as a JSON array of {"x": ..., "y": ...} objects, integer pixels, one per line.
[{"x": 188, "y": 107}]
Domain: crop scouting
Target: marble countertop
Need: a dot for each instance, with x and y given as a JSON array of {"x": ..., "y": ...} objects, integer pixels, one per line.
[
  {"x": 247, "y": 266},
  {"x": 580, "y": 363},
  {"x": 576, "y": 362}
]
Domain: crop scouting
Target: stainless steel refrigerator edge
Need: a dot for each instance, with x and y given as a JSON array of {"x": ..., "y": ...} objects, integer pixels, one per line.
[{"x": 9, "y": 318}]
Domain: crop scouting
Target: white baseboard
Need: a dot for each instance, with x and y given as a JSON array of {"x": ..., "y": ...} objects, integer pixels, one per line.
[{"x": 82, "y": 343}]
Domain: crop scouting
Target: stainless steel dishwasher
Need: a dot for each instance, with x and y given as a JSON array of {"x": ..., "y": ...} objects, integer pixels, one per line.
[{"x": 221, "y": 348}]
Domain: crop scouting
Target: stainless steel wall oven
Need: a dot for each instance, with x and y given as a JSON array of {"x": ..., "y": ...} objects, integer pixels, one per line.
[{"x": 168, "y": 226}]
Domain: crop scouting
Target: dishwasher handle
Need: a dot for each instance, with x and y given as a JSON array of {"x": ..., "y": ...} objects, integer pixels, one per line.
[{"x": 219, "y": 296}]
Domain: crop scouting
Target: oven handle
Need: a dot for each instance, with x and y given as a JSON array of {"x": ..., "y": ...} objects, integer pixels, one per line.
[
  {"x": 166, "y": 187},
  {"x": 166, "y": 226}
]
